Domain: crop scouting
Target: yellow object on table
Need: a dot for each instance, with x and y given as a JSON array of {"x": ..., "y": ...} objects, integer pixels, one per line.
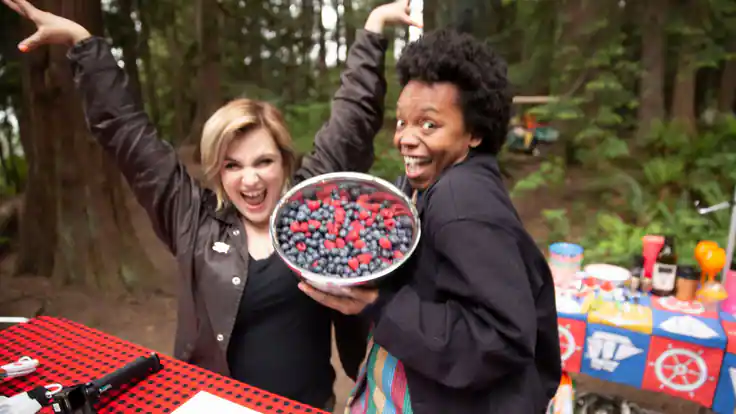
[{"x": 630, "y": 316}]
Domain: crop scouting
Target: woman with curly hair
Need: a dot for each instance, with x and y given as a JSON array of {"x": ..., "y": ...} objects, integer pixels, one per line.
[{"x": 471, "y": 327}]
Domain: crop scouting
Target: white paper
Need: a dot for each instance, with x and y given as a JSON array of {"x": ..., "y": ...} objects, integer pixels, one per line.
[{"x": 204, "y": 402}]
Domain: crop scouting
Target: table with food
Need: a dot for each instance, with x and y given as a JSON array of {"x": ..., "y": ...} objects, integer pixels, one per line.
[
  {"x": 658, "y": 325},
  {"x": 335, "y": 231}
]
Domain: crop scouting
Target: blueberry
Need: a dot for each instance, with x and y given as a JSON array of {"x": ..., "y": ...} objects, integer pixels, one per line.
[{"x": 301, "y": 216}]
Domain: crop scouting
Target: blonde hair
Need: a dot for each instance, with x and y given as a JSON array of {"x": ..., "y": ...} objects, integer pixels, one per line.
[{"x": 230, "y": 122}]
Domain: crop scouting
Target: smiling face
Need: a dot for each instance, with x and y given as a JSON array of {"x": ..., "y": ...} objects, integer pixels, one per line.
[
  {"x": 430, "y": 131},
  {"x": 253, "y": 175}
]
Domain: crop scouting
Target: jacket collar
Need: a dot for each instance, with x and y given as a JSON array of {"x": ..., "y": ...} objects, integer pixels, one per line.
[
  {"x": 473, "y": 159},
  {"x": 227, "y": 214}
]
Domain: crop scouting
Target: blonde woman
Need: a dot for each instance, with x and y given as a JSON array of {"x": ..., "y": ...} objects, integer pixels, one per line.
[{"x": 240, "y": 311}]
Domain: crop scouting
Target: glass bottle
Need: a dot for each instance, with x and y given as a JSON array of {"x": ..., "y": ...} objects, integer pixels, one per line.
[{"x": 664, "y": 273}]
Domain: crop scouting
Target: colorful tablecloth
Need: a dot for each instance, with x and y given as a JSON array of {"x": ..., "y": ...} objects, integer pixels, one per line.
[
  {"x": 660, "y": 344},
  {"x": 71, "y": 353}
]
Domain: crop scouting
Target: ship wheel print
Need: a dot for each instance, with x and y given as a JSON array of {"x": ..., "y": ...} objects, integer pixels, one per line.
[
  {"x": 567, "y": 343},
  {"x": 681, "y": 370},
  {"x": 673, "y": 304}
]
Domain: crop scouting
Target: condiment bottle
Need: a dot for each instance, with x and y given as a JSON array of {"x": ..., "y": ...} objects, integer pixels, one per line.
[
  {"x": 664, "y": 274},
  {"x": 687, "y": 283},
  {"x": 637, "y": 273}
]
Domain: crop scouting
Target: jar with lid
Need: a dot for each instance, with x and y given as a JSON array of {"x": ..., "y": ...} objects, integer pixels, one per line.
[
  {"x": 687, "y": 283},
  {"x": 637, "y": 273}
]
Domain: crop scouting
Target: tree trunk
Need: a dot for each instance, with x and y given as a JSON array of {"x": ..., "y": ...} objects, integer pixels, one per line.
[
  {"x": 149, "y": 74},
  {"x": 653, "y": 58},
  {"x": 429, "y": 15},
  {"x": 209, "y": 96},
  {"x": 572, "y": 42},
  {"x": 322, "y": 73},
  {"x": 338, "y": 31},
  {"x": 727, "y": 94},
  {"x": 79, "y": 215},
  {"x": 683, "y": 95},
  {"x": 306, "y": 43},
  {"x": 37, "y": 230},
  {"x": 349, "y": 22},
  {"x": 128, "y": 41}
]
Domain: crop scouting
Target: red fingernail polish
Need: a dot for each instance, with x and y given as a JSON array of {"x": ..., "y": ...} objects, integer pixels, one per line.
[{"x": 23, "y": 48}]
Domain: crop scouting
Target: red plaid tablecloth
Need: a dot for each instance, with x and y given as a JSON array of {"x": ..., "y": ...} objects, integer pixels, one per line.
[{"x": 70, "y": 353}]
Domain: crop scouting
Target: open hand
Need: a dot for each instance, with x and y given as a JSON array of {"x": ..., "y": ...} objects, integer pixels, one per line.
[
  {"x": 394, "y": 13},
  {"x": 352, "y": 304},
  {"x": 51, "y": 29}
]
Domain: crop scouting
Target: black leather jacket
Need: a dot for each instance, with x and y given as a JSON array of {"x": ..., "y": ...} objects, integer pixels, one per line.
[{"x": 183, "y": 213}]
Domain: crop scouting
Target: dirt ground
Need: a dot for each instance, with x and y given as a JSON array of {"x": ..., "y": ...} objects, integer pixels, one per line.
[{"x": 150, "y": 320}]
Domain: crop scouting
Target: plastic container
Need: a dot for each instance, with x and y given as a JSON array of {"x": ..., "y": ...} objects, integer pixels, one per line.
[{"x": 565, "y": 260}]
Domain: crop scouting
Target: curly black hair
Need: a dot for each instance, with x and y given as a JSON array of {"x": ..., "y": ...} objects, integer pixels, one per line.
[{"x": 446, "y": 55}]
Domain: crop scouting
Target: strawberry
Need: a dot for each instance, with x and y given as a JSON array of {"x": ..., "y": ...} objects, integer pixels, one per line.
[
  {"x": 384, "y": 243},
  {"x": 365, "y": 258},
  {"x": 354, "y": 263}
]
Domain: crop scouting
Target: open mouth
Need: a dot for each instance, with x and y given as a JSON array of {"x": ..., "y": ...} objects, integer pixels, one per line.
[
  {"x": 415, "y": 165},
  {"x": 254, "y": 199}
]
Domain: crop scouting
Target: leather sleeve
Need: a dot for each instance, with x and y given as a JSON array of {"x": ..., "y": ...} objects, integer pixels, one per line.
[
  {"x": 151, "y": 166},
  {"x": 345, "y": 141}
]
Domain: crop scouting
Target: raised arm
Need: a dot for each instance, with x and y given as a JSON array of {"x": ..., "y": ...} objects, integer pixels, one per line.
[
  {"x": 151, "y": 167},
  {"x": 345, "y": 141}
]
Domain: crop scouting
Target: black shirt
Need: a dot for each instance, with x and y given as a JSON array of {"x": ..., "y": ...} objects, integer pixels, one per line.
[{"x": 281, "y": 340}]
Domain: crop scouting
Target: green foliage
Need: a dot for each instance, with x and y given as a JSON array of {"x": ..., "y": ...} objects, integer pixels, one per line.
[{"x": 551, "y": 173}]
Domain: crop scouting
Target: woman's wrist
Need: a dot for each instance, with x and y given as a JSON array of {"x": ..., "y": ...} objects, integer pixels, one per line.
[
  {"x": 375, "y": 23},
  {"x": 78, "y": 35}
]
